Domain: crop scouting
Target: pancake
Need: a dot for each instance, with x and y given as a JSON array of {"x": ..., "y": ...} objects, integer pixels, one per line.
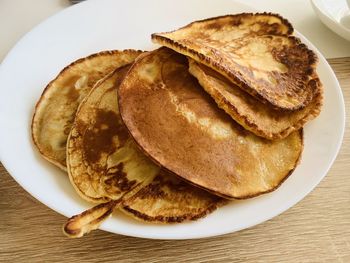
[
  {"x": 105, "y": 166},
  {"x": 259, "y": 118},
  {"x": 254, "y": 51},
  {"x": 177, "y": 124},
  {"x": 103, "y": 162},
  {"x": 166, "y": 200},
  {"x": 55, "y": 110}
]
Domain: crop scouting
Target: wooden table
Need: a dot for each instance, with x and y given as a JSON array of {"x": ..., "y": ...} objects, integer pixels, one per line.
[{"x": 315, "y": 230}]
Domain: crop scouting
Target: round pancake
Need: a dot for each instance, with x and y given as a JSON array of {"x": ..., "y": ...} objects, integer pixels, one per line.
[
  {"x": 179, "y": 126},
  {"x": 56, "y": 108},
  {"x": 259, "y": 118},
  {"x": 254, "y": 51},
  {"x": 105, "y": 164}
]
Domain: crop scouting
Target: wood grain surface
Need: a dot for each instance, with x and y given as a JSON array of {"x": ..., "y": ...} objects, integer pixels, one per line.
[{"x": 317, "y": 229}]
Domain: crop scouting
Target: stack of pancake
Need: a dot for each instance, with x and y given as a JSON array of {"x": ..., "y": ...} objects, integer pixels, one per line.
[{"x": 172, "y": 134}]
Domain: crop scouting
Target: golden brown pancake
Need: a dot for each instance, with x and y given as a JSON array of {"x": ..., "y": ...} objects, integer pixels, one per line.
[
  {"x": 166, "y": 200},
  {"x": 259, "y": 118},
  {"x": 55, "y": 110},
  {"x": 105, "y": 165},
  {"x": 103, "y": 162},
  {"x": 255, "y": 52},
  {"x": 180, "y": 127}
]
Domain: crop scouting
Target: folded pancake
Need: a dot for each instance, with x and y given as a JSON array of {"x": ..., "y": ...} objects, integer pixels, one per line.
[
  {"x": 259, "y": 118},
  {"x": 254, "y": 51},
  {"x": 177, "y": 124},
  {"x": 106, "y": 166},
  {"x": 56, "y": 108}
]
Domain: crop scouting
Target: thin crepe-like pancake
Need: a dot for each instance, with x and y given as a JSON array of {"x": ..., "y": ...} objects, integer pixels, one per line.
[
  {"x": 105, "y": 164},
  {"x": 180, "y": 127},
  {"x": 55, "y": 110},
  {"x": 259, "y": 118},
  {"x": 254, "y": 52}
]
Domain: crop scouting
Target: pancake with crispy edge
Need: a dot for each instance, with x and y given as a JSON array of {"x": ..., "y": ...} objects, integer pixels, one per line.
[
  {"x": 259, "y": 118},
  {"x": 103, "y": 162},
  {"x": 55, "y": 110},
  {"x": 180, "y": 127},
  {"x": 105, "y": 165},
  {"x": 254, "y": 51}
]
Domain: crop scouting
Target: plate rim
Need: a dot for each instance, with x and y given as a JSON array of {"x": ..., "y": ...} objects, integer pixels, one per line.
[{"x": 329, "y": 21}]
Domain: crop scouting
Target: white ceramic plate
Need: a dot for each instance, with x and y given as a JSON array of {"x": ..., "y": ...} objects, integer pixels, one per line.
[
  {"x": 335, "y": 15},
  {"x": 99, "y": 25}
]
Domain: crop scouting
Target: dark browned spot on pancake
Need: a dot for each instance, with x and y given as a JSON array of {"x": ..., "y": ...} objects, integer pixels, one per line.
[
  {"x": 99, "y": 138},
  {"x": 294, "y": 59},
  {"x": 236, "y": 21},
  {"x": 118, "y": 178},
  {"x": 273, "y": 29},
  {"x": 266, "y": 28},
  {"x": 214, "y": 25},
  {"x": 153, "y": 190}
]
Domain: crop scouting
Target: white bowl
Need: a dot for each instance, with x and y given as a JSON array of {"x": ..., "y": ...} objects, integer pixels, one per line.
[{"x": 335, "y": 15}]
